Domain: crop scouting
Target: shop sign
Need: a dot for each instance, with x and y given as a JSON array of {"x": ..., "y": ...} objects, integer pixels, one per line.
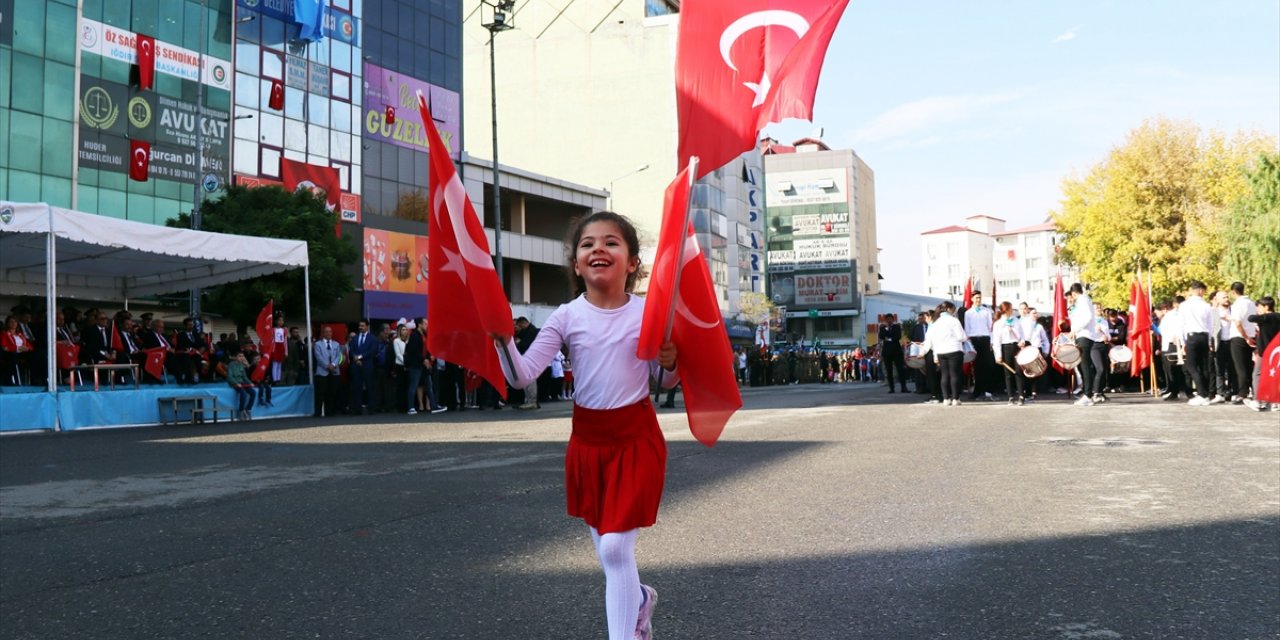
[
  {"x": 118, "y": 44},
  {"x": 385, "y": 88}
]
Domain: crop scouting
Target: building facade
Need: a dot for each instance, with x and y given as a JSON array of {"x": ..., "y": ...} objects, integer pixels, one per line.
[
  {"x": 70, "y": 106},
  {"x": 1022, "y": 262},
  {"x": 821, "y": 237}
]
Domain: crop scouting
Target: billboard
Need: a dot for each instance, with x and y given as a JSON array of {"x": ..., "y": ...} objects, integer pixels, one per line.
[
  {"x": 395, "y": 262},
  {"x": 822, "y": 186},
  {"x": 823, "y": 288},
  {"x": 117, "y": 44},
  {"x": 111, "y": 114},
  {"x": 385, "y": 88},
  {"x": 823, "y": 253},
  {"x": 820, "y": 224}
]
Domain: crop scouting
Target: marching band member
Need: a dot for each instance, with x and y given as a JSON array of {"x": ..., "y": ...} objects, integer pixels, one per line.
[
  {"x": 1223, "y": 375},
  {"x": 1084, "y": 330},
  {"x": 1006, "y": 338},
  {"x": 945, "y": 338},
  {"x": 1242, "y": 337},
  {"x": 977, "y": 326},
  {"x": 1197, "y": 325},
  {"x": 1170, "y": 327}
]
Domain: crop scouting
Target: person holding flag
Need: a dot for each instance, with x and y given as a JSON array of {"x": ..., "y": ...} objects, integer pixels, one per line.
[
  {"x": 616, "y": 463},
  {"x": 1266, "y": 382}
]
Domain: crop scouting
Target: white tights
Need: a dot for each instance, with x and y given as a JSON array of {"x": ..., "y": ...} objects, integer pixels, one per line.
[{"x": 622, "y": 596}]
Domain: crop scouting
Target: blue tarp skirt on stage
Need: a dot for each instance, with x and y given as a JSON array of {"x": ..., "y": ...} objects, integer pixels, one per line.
[{"x": 26, "y": 408}]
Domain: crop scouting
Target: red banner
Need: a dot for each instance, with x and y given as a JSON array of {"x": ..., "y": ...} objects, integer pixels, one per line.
[
  {"x": 1139, "y": 329},
  {"x": 155, "y": 362},
  {"x": 276, "y": 101},
  {"x": 323, "y": 181},
  {"x": 68, "y": 354},
  {"x": 263, "y": 327}
]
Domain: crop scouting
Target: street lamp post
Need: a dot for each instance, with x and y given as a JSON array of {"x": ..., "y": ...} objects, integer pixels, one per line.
[{"x": 501, "y": 21}]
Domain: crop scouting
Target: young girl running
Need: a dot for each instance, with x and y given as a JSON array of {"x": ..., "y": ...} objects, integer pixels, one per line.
[{"x": 617, "y": 458}]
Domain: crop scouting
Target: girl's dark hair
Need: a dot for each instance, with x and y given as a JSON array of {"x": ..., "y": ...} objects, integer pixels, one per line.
[{"x": 629, "y": 235}]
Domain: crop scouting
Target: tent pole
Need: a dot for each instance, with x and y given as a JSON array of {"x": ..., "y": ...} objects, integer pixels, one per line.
[
  {"x": 306, "y": 293},
  {"x": 51, "y": 305}
]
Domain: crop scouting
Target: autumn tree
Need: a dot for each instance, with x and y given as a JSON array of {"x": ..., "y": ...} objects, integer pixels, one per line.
[
  {"x": 1157, "y": 202},
  {"x": 272, "y": 212}
]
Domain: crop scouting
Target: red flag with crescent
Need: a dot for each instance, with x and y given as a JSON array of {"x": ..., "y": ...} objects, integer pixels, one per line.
[
  {"x": 1139, "y": 338},
  {"x": 139, "y": 160},
  {"x": 146, "y": 61},
  {"x": 276, "y": 99},
  {"x": 706, "y": 365},
  {"x": 968, "y": 293},
  {"x": 467, "y": 302},
  {"x": 154, "y": 365},
  {"x": 1269, "y": 375},
  {"x": 743, "y": 64},
  {"x": 263, "y": 327},
  {"x": 68, "y": 354}
]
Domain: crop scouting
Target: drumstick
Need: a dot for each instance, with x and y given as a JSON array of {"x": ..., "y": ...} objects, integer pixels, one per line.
[{"x": 1006, "y": 365}]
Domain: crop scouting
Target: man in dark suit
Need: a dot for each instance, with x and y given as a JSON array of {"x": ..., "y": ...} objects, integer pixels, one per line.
[
  {"x": 187, "y": 357},
  {"x": 154, "y": 338},
  {"x": 361, "y": 348},
  {"x": 96, "y": 342}
]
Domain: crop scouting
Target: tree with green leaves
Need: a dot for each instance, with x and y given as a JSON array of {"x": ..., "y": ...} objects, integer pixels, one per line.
[
  {"x": 272, "y": 212},
  {"x": 1251, "y": 231},
  {"x": 1156, "y": 202}
]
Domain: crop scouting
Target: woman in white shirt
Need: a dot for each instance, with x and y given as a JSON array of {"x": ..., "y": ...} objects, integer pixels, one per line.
[
  {"x": 1006, "y": 339},
  {"x": 946, "y": 338}
]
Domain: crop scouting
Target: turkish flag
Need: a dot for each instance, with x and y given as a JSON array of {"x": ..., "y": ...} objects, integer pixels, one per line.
[
  {"x": 146, "y": 61},
  {"x": 1269, "y": 376},
  {"x": 139, "y": 160},
  {"x": 276, "y": 101},
  {"x": 467, "y": 302},
  {"x": 155, "y": 362},
  {"x": 322, "y": 181},
  {"x": 260, "y": 367},
  {"x": 263, "y": 327},
  {"x": 391, "y": 115},
  {"x": 1059, "y": 313},
  {"x": 741, "y": 64},
  {"x": 68, "y": 354},
  {"x": 117, "y": 341},
  {"x": 968, "y": 293},
  {"x": 1139, "y": 329},
  {"x": 994, "y": 301},
  {"x": 706, "y": 365}
]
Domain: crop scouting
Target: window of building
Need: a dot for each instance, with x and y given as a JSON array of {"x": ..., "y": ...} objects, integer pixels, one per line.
[{"x": 1033, "y": 263}]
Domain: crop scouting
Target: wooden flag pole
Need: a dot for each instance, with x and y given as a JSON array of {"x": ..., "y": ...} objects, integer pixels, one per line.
[{"x": 677, "y": 267}]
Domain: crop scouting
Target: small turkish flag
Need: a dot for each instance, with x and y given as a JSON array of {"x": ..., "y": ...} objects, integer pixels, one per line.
[
  {"x": 155, "y": 363},
  {"x": 146, "y": 61},
  {"x": 1269, "y": 375},
  {"x": 276, "y": 101},
  {"x": 68, "y": 354},
  {"x": 741, "y": 64},
  {"x": 139, "y": 160},
  {"x": 259, "y": 372},
  {"x": 391, "y": 115}
]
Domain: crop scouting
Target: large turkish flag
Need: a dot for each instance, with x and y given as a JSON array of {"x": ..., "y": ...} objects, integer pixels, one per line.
[
  {"x": 139, "y": 160},
  {"x": 1269, "y": 377},
  {"x": 146, "y": 61},
  {"x": 741, "y": 64},
  {"x": 467, "y": 303},
  {"x": 322, "y": 181},
  {"x": 705, "y": 360}
]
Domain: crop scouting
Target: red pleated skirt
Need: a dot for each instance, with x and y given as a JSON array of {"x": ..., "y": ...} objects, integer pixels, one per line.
[{"x": 615, "y": 467}]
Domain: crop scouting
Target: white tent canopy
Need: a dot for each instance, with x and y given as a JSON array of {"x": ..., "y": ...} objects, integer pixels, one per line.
[
  {"x": 101, "y": 258},
  {"x": 57, "y": 252}
]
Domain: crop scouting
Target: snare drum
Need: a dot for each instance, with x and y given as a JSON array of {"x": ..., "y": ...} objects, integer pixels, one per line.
[
  {"x": 1031, "y": 361},
  {"x": 915, "y": 355},
  {"x": 1067, "y": 355},
  {"x": 1121, "y": 356}
]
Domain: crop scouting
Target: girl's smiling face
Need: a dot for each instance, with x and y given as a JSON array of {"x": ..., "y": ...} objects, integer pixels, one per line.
[{"x": 602, "y": 258}]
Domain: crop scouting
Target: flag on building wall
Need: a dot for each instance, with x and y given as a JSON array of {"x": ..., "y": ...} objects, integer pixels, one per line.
[
  {"x": 146, "y": 55},
  {"x": 742, "y": 64},
  {"x": 276, "y": 101},
  {"x": 139, "y": 160}
]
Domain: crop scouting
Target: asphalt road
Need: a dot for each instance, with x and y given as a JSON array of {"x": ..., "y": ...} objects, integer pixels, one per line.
[{"x": 826, "y": 511}]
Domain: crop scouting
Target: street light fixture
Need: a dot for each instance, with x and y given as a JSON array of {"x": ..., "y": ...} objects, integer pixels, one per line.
[
  {"x": 501, "y": 21},
  {"x": 609, "y": 204}
]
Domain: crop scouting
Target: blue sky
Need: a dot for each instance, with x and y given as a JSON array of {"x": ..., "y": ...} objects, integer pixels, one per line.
[{"x": 983, "y": 107}]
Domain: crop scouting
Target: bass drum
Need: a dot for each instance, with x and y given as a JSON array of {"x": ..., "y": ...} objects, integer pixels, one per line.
[
  {"x": 1121, "y": 356},
  {"x": 1031, "y": 361},
  {"x": 1067, "y": 355},
  {"x": 915, "y": 356}
]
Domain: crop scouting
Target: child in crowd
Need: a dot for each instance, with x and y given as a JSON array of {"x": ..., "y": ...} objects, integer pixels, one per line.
[{"x": 615, "y": 466}]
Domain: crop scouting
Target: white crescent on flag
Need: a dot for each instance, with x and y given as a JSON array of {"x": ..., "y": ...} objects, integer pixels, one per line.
[{"x": 787, "y": 19}]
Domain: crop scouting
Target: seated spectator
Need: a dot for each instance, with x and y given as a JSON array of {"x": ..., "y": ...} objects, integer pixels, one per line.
[
  {"x": 15, "y": 351},
  {"x": 238, "y": 378}
]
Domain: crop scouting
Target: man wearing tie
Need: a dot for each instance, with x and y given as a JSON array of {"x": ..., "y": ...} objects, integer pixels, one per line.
[
  {"x": 186, "y": 361},
  {"x": 978, "y": 322},
  {"x": 154, "y": 339},
  {"x": 360, "y": 351},
  {"x": 327, "y": 355}
]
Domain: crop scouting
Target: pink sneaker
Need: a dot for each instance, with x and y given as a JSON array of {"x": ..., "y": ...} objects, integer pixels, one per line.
[{"x": 644, "y": 624}]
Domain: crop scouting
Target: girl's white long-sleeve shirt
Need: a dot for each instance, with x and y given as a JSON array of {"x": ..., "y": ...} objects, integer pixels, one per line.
[
  {"x": 945, "y": 335},
  {"x": 602, "y": 342},
  {"x": 1005, "y": 332}
]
